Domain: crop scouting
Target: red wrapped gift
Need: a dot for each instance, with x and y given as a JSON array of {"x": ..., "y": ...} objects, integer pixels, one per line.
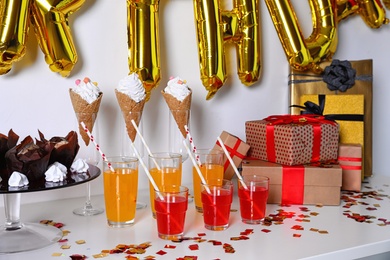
[
  {"x": 298, "y": 184},
  {"x": 350, "y": 160},
  {"x": 293, "y": 139},
  {"x": 237, "y": 150}
]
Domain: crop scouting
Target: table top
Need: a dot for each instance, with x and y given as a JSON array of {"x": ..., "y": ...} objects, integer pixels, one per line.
[{"x": 296, "y": 232}]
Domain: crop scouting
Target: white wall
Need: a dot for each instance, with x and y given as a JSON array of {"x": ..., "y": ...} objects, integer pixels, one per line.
[{"x": 33, "y": 97}]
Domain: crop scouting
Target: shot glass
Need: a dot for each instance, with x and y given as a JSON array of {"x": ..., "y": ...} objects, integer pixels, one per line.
[
  {"x": 253, "y": 198},
  {"x": 217, "y": 200},
  {"x": 171, "y": 204},
  {"x": 120, "y": 190},
  {"x": 211, "y": 167},
  {"x": 165, "y": 169}
]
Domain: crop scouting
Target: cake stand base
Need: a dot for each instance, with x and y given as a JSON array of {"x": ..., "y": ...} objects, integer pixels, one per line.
[{"x": 28, "y": 237}]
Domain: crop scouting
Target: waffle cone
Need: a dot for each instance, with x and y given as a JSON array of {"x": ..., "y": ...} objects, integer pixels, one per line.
[
  {"x": 82, "y": 106},
  {"x": 128, "y": 105},
  {"x": 174, "y": 105}
]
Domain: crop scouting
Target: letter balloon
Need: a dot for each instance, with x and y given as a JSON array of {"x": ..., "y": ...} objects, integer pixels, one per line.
[
  {"x": 50, "y": 22},
  {"x": 305, "y": 54},
  {"x": 214, "y": 28},
  {"x": 143, "y": 42},
  {"x": 14, "y": 25}
]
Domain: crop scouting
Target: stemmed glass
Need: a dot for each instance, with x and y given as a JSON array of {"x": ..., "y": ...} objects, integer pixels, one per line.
[
  {"x": 176, "y": 132},
  {"x": 90, "y": 154},
  {"x": 127, "y": 131}
]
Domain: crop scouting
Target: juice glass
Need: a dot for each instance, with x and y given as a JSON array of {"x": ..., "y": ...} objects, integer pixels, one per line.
[
  {"x": 120, "y": 190},
  {"x": 253, "y": 199},
  {"x": 211, "y": 168},
  {"x": 216, "y": 200},
  {"x": 171, "y": 204},
  {"x": 165, "y": 169}
]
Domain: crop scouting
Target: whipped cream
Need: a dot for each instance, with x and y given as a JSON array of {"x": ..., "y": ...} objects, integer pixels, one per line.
[
  {"x": 177, "y": 88},
  {"x": 132, "y": 86},
  {"x": 87, "y": 90},
  {"x": 79, "y": 165},
  {"x": 56, "y": 172},
  {"x": 17, "y": 179}
]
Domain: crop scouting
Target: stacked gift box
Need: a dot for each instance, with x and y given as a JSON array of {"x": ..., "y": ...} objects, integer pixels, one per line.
[{"x": 323, "y": 146}]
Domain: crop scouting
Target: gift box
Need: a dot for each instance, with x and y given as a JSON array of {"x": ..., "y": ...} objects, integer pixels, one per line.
[
  {"x": 358, "y": 78},
  {"x": 292, "y": 140},
  {"x": 350, "y": 161},
  {"x": 237, "y": 150},
  {"x": 299, "y": 184}
]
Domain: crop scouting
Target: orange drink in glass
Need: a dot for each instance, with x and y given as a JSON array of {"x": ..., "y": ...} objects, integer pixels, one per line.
[
  {"x": 120, "y": 190},
  {"x": 212, "y": 170},
  {"x": 166, "y": 170}
]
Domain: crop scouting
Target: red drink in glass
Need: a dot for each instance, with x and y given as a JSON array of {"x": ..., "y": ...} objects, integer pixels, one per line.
[
  {"x": 216, "y": 201},
  {"x": 253, "y": 203},
  {"x": 253, "y": 198},
  {"x": 171, "y": 207}
]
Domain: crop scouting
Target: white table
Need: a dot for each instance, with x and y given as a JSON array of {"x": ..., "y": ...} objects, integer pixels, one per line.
[{"x": 346, "y": 238}]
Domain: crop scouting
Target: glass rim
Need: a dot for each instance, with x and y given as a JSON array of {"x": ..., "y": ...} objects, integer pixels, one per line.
[
  {"x": 121, "y": 159},
  {"x": 165, "y": 155}
]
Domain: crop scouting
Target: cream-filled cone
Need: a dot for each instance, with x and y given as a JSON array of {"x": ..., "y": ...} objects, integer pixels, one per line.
[
  {"x": 128, "y": 105},
  {"x": 82, "y": 106},
  {"x": 175, "y": 105}
]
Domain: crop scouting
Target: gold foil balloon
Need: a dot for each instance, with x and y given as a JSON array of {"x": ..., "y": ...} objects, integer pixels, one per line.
[
  {"x": 215, "y": 27},
  {"x": 14, "y": 21},
  {"x": 305, "y": 54},
  {"x": 143, "y": 42},
  {"x": 50, "y": 21},
  {"x": 371, "y": 11},
  {"x": 387, "y": 3}
]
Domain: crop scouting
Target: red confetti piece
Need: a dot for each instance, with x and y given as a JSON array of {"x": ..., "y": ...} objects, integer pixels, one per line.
[
  {"x": 161, "y": 252},
  {"x": 215, "y": 242},
  {"x": 78, "y": 257},
  {"x": 194, "y": 247},
  {"x": 170, "y": 246},
  {"x": 371, "y": 208},
  {"x": 297, "y": 227},
  {"x": 297, "y": 235},
  {"x": 201, "y": 234},
  {"x": 63, "y": 240},
  {"x": 265, "y": 230}
]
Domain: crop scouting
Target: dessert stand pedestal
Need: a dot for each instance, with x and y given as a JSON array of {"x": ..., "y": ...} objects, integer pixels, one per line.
[{"x": 16, "y": 236}]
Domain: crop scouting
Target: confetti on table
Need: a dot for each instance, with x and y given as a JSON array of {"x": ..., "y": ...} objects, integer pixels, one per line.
[
  {"x": 161, "y": 252},
  {"x": 170, "y": 246},
  {"x": 297, "y": 235},
  {"x": 57, "y": 254},
  {"x": 80, "y": 242},
  {"x": 193, "y": 247},
  {"x": 78, "y": 257},
  {"x": 323, "y": 232},
  {"x": 101, "y": 255},
  {"x": 265, "y": 230},
  {"x": 65, "y": 246},
  {"x": 228, "y": 248}
]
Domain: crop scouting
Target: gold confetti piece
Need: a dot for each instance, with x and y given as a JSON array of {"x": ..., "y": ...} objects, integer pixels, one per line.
[
  {"x": 377, "y": 205},
  {"x": 233, "y": 210},
  {"x": 56, "y": 254},
  {"x": 65, "y": 246},
  {"x": 105, "y": 251},
  {"x": 150, "y": 257},
  {"x": 305, "y": 220},
  {"x": 65, "y": 232},
  {"x": 314, "y": 213},
  {"x": 314, "y": 229},
  {"x": 79, "y": 242},
  {"x": 323, "y": 232},
  {"x": 101, "y": 255},
  {"x": 319, "y": 205}
]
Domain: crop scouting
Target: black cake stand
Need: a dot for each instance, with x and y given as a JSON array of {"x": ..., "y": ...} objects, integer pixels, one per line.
[{"x": 16, "y": 236}]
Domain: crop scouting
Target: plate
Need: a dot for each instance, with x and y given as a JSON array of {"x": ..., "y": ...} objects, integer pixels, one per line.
[{"x": 71, "y": 180}]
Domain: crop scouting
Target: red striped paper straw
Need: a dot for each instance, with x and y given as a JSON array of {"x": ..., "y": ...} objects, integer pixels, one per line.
[
  {"x": 97, "y": 146},
  {"x": 192, "y": 144}
]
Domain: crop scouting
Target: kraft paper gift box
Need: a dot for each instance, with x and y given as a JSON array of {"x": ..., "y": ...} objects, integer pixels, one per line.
[
  {"x": 237, "y": 150},
  {"x": 308, "y": 185},
  {"x": 308, "y": 83},
  {"x": 350, "y": 161},
  {"x": 292, "y": 140}
]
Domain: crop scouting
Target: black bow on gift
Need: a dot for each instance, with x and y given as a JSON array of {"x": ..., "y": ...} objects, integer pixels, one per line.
[
  {"x": 312, "y": 108},
  {"x": 339, "y": 75}
]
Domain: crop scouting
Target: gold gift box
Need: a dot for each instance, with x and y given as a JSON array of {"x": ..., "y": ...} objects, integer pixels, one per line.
[{"x": 308, "y": 83}]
